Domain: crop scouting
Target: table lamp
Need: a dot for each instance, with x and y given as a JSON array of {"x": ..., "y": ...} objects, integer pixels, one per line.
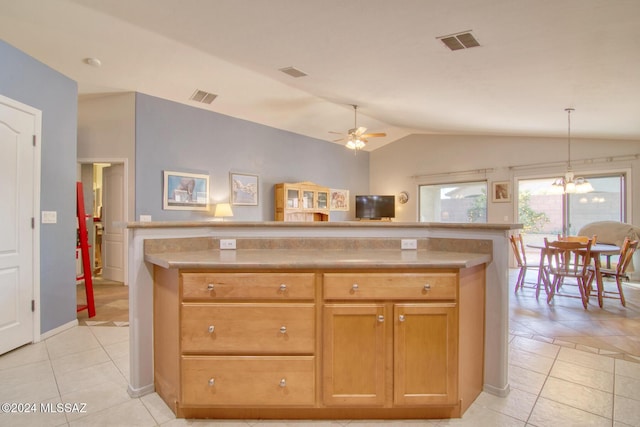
[{"x": 223, "y": 210}]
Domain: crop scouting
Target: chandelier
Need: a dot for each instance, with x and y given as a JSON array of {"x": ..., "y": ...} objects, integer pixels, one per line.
[{"x": 569, "y": 183}]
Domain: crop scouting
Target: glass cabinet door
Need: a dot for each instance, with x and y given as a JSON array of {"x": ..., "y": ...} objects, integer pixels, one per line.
[
  {"x": 323, "y": 200},
  {"x": 292, "y": 198},
  {"x": 308, "y": 199}
]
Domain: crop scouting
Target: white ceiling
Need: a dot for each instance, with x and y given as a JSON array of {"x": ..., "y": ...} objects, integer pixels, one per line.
[{"x": 536, "y": 58}]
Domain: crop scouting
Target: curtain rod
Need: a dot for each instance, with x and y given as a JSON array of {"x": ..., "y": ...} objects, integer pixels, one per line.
[
  {"x": 608, "y": 159},
  {"x": 468, "y": 172}
]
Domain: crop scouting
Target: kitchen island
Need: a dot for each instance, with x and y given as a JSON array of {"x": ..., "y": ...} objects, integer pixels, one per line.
[{"x": 387, "y": 280}]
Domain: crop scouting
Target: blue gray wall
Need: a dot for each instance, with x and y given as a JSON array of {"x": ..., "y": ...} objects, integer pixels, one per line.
[
  {"x": 177, "y": 137},
  {"x": 26, "y": 80}
]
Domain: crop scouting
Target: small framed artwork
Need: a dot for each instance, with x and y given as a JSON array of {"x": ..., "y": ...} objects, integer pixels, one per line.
[
  {"x": 500, "y": 192},
  {"x": 185, "y": 191},
  {"x": 244, "y": 189},
  {"x": 339, "y": 200}
]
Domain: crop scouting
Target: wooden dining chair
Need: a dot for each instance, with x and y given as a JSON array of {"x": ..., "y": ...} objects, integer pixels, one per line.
[
  {"x": 517, "y": 246},
  {"x": 627, "y": 250},
  {"x": 568, "y": 260}
]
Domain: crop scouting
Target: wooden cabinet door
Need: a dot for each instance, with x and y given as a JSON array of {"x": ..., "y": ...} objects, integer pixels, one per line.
[
  {"x": 425, "y": 354},
  {"x": 354, "y": 354}
]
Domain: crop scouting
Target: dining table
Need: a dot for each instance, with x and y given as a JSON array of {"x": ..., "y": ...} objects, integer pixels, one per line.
[{"x": 597, "y": 250}]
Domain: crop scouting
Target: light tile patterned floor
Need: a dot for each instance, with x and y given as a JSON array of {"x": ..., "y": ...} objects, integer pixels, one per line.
[{"x": 568, "y": 367}]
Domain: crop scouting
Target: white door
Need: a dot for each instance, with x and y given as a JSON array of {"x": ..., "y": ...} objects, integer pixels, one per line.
[
  {"x": 19, "y": 174},
  {"x": 113, "y": 219}
]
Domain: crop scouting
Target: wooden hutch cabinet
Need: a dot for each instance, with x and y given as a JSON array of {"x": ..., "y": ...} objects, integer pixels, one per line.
[{"x": 302, "y": 202}]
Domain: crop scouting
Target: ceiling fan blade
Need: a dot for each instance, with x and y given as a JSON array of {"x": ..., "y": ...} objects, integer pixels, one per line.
[
  {"x": 373, "y": 135},
  {"x": 360, "y": 130},
  {"x": 338, "y": 140},
  {"x": 337, "y": 133}
]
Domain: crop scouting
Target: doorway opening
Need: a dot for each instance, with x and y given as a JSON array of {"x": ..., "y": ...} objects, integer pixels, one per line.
[{"x": 106, "y": 206}]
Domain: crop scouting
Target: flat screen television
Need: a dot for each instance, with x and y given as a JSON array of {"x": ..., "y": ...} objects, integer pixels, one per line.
[{"x": 375, "y": 207}]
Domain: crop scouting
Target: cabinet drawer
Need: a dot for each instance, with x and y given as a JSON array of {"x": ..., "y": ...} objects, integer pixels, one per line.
[
  {"x": 247, "y": 381},
  {"x": 213, "y": 286},
  {"x": 407, "y": 286},
  {"x": 236, "y": 328}
]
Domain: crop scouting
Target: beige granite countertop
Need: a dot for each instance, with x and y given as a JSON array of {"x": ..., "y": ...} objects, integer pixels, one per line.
[
  {"x": 312, "y": 259},
  {"x": 321, "y": 224}
]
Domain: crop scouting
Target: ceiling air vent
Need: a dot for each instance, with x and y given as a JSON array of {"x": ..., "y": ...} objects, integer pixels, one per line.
[
  {"x": 459, "y": 41},
  {"x": 202, "y": 96},
  {"x": 293, "y": 72}
]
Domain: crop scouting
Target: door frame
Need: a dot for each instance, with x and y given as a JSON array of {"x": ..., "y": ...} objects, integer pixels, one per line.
[
  {"x": 125, "y": 195},
  {"x": 35, "y": 238}
]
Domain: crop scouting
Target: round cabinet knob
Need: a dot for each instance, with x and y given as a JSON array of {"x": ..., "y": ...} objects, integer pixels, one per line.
[
  {"x": 283, "y": 382},
  {"x": 427, "y": 287},
  {"x": 402, "y": 318},
  {"x": 211, "y": 329},
  {"x": 210, "y": 287},
  {"x": 283, "y": 287},
  {"x": 283, "y": 329},
  {"x": 380, "y": 318},
  {"x": 354, "y": 287},
  {"x": 212, "y": 382}
]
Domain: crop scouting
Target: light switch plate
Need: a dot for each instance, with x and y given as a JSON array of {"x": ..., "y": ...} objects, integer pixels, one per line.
[
  {"x": 49, "y": 217},
  {"x": 227, "y": 243},
  {"x": 145, "y": 218},
  {"x": 409, "y": 244}
]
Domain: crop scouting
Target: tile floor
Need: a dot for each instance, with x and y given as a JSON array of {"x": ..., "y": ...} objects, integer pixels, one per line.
[{"x": 568, "y": 367}]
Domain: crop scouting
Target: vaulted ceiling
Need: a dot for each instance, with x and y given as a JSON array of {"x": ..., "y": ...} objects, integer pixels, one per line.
[{"x": 534, "y": 59}]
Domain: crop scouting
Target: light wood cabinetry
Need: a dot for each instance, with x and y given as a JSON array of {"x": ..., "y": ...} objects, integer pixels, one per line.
[
  {"x": 416, "y": 343},
  {"x": 302, "y": 201},
  {"x": 319, "y": 344}
]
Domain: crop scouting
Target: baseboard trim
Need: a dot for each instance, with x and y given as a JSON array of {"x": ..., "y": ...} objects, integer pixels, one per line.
[
  {"x": 59, "y": 329},
  {"x": 139, "y": 392},
  {"x": 500, "y": 392}
]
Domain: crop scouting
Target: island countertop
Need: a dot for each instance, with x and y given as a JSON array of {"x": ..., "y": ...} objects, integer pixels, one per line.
[{"x": 311, "y": 259}]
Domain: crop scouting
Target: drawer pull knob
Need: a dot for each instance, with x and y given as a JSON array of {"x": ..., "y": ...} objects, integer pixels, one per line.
[
  {"x": 402, "y": 318},
  {"x": 380, "y": 318},
  {"x": 427, "y": 287},
  {"x": 283, "y": 287},
  {"x": 210, "y": 287},
  {"x": 211, "y": 329},
  {"x": 212, "y": 382},
  {"x": 283, "y": 329},
  {"x": 354, "y": 287},
  {"x": 283, "y": 382}
]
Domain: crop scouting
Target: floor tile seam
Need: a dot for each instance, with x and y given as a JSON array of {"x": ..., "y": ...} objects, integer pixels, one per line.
[
  {"x": 584, "y": 385},
  {"x": 148, "y": 410},
  {"x": 579, "y": 409},
  {"x": 621, "y": 352},
  {"x": 113, "y": 362}
]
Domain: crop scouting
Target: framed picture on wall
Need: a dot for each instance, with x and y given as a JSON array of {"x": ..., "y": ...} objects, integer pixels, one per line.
[
  {"x": 339, "y": 200},
  {"x": 500, "y": 192},
  {"x": 244, "y": 189},
  {"x": 185, "y": 191}
]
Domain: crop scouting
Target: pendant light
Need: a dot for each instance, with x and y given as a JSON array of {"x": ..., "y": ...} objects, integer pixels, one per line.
[{"x": 569, "y": 183}]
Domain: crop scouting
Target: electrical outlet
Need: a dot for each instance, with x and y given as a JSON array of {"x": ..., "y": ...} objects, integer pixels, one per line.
[
  {"x": 145, "y": 218},
  {"x": 227, "y": 243},
  {"x": 409, "y": 244}
]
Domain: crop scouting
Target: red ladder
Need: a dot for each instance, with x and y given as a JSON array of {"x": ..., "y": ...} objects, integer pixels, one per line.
[{"x": 83, "y": 237}]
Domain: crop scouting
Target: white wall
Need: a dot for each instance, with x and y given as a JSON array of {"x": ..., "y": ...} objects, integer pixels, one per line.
[
  {"x": 432, "y": 159},
  {"x": 106, "y": 131}
]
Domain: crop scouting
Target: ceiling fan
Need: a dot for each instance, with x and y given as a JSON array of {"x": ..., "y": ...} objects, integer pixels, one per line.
[{"x": 357, "y": 138}]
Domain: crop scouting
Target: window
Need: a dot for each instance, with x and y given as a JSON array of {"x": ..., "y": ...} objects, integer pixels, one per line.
[
  {"x": 453, "y": 202},
  {"x": 545, "y": 214}
]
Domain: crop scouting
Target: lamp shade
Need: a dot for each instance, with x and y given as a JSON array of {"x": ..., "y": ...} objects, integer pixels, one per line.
[{"x": 222, "y": 210}]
